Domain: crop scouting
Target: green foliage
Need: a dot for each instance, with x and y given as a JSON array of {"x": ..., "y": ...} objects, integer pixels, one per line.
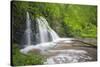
[
  {"x": 80, "y": 22},
  {"x": 19, "y": 59},
  {"x": 67, "y": 20}
]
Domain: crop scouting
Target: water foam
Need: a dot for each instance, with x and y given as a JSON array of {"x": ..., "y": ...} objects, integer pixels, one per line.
[
  {"x": 70, "y": 56},
  {"x": 45, "y": 33}
]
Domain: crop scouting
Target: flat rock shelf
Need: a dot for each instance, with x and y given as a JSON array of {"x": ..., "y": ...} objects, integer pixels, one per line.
[{"x": 80, "y": 50}]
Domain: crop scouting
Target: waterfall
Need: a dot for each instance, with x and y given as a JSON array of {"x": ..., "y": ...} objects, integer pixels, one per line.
[
  {"x": 40, "y": 37},
  {"x": 45, "y": 35},
  {"x": 53, "y": 34},
  {"x": 28, "y": 30},
  {"x": 45, "y": 30},
  {"x": 27, "y": 36}
]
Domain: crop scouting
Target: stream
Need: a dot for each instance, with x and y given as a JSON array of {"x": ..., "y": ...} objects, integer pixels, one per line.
[
  {"x": 55, "y": 49},
  {"x": 76, "y": 51}
]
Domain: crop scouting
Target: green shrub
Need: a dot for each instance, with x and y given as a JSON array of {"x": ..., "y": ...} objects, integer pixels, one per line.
[{"x": 19, "y": 59}]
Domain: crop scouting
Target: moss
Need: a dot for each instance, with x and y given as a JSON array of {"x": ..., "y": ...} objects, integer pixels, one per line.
[{"x": 19, "y": 59}]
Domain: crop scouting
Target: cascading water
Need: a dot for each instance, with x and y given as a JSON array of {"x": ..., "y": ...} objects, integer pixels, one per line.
[
  {"x": 45, "y": 31},
  {"x": 46, "y": 35},
  {"x": 27, "y": 36},
  {"x": 28, "y": 30}
]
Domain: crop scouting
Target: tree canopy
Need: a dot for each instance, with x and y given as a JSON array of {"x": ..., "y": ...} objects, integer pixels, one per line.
[{"x": 68, "y": 20}]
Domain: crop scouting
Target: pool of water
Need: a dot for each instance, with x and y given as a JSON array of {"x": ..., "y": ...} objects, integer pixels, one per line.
[{"x": 68, "y": 56}]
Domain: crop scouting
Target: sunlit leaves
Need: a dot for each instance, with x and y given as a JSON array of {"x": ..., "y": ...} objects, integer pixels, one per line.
[{"x": 66, "y": 19}]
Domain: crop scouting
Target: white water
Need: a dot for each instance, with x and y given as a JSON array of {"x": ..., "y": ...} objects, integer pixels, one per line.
[
  {"x": 68, "y": 56},
  {"x": 44, "y": 29},
  {"x": 43, "y": 47},
  {"x": 28, "y": 29},
  {"x": 45, "y": 33},
  {"x": 53, "y": 34}
]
